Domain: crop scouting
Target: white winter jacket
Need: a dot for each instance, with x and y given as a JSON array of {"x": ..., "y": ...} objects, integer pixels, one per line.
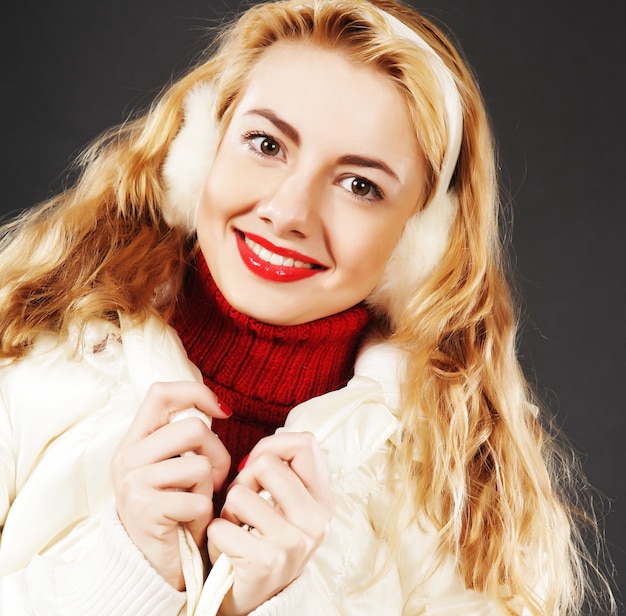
[{"x": 63, "y": 550}]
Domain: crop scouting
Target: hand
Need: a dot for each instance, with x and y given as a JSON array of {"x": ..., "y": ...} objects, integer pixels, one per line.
[
  {"x": 291, "y": 467},
  {"x": 156, "y": 486}
]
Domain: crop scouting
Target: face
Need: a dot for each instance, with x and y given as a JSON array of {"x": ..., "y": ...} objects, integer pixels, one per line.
[{"x": 313, "y": 182}]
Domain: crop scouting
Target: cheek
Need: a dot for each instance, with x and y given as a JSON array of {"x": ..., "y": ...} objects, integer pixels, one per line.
[
  {"x": 225, "y": 169},
  {"x": 220, "y": 192},
  {"x": 216, "y": 206},
  {"x": 219, "y": 177},
  {"x": 364, "y": 253}
]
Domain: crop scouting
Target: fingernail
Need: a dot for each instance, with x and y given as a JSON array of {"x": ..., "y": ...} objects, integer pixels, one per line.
[
  {"x": 224, "y": 408},
  {"x": 242, "y": 463}
]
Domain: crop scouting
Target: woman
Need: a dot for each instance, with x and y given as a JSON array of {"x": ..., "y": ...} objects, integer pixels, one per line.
[{"x": 307, "y": 219}]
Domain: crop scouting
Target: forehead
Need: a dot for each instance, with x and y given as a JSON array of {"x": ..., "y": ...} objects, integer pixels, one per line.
[
  {"x": 322, "y": 90},
  {"x": 287, "y": 66}
]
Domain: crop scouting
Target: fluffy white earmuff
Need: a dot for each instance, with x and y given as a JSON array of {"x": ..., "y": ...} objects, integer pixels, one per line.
[
  {"x": 189, "y": 158},
  {"x": 415, "y": 257},
  {"x": 425, "y": 236}
]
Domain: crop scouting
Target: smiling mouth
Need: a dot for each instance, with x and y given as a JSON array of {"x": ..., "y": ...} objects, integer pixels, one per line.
[
  {"x": 275, "y": 259},
  {"x": 262, "y": 260}
]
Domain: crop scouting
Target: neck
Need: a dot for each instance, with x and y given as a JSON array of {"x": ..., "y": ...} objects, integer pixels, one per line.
[{"x": 261, "y": 371}]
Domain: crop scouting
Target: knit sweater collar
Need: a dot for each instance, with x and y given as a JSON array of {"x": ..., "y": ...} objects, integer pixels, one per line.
[{"x": 259, "y": 370}]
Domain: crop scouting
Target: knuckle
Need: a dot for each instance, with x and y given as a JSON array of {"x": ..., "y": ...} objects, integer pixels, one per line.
[
  {"x": 308, "y": 440},
  {"x": 215, "y": 530},
  {"x": 264, "y": 464},
  {"x": 198, "y": 426},
  {"x": 264, "y": 442},
  {"x": 296, "y": 543},
  {"x": 269, "y": 560},
  {"x": 309, "y": 437},
  {"x": 157, "y": 390},
  {"x": 121, "y": 459},
  {"x": 225, "y": 454},
  {"x": 193, "y": 429},
  {"x": 203, "y": 506},
  {"x": 236, "y": 494},
  {"x": 117, "y": 469},
  {"x": 161, "y": 532},
  {"x": 123, "y": 485},
  {"x": 313, "y": 530},
  {"x": 309, "y": 545},
  {"x": 203, "y": 466},
  {"x": 126, "y": 485},
  {"x": 192, "y": 433},
  {"x": 321, "y": 530}
]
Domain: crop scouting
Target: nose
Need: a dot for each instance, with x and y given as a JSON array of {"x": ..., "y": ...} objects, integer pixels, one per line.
[{"x": 291, "y": 206}]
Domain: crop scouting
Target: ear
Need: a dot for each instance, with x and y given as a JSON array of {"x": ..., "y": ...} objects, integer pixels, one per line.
[
  {"x": 415, "y": 257},
  {"x": 189, "y": 158}
]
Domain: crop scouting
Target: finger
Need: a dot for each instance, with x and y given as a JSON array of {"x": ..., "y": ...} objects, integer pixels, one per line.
[
  {"x": 304, "y": 456},
  {"x": 140, "y": 487},
  {"x": 185, "y": 507},
  {"x": 294, "y": 501},
  {"x": 191, "y": 474},
  {"x": 173, "y": 440},
  {"x": 158, "y": 491},
  {"x": 164, "y": 399},
  {"x": 227, "y": 537},
  {"x": 247, "y": 507},
  {"x": 273, "y": 545}
]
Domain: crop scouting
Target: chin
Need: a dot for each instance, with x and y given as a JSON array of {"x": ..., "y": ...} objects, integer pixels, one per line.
[{"x": 266, "y": 313}]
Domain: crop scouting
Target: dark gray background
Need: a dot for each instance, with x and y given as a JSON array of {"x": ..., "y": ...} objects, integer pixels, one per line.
[{"x": 553, "y": 77}]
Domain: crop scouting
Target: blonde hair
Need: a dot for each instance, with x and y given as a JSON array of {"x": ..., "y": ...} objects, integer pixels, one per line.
[{"x": 488, "y": 475}]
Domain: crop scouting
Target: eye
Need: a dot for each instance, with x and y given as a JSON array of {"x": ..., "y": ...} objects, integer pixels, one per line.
[
  {"x": 362, "y": 188},
  {"x": 263, "y": 144}
]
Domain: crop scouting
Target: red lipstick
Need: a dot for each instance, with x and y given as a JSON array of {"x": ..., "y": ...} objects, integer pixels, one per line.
[{"x": 269, "y": 271}]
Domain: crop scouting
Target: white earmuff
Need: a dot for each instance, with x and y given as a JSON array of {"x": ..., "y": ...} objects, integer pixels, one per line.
[
  {"x": 189, "y": 158},
  {"x": 425, "y": 237}
]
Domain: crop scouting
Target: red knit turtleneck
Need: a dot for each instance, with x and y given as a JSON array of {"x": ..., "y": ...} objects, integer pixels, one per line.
[{"x": 261, "y": 371}]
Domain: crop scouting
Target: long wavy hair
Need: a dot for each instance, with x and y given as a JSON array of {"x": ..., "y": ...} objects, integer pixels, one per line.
[{"x": 490, "y": 476}]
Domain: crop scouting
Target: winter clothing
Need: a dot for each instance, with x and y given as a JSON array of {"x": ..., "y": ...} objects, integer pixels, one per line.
[
  {"x": 63, "y": 550},
  {"x": 261, "y": 371}
]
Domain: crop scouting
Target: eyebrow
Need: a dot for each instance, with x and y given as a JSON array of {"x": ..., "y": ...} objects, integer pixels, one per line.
[
  {"x": 283, "y": 126},
  {"x": 348, "y": 159},
  {"x": 373, "y": 163}
]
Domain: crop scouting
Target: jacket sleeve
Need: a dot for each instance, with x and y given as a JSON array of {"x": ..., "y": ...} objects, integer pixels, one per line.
[
  {"x": 94, "y": 568},
  {"x": 110, "y": 580}
]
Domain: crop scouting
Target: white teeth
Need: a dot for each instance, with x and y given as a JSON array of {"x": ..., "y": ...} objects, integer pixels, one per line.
[{"x": 272, "y": 257}]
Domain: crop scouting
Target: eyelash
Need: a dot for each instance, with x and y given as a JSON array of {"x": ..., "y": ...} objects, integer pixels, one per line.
[
  {"x": 250, "y": 136},
  {"x": 378, "y": 193}
]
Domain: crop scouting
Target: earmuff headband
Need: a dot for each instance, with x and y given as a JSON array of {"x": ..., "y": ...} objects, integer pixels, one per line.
[{"x": 451, "y": 99}]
